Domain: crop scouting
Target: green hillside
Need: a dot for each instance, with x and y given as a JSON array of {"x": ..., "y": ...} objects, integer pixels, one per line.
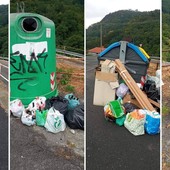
[
  {"x": 4, "y": 30},
  {"x": 68, "y": 17},
  {"x": 166, "y": 30},
  {"x": 134, "y": 26}
]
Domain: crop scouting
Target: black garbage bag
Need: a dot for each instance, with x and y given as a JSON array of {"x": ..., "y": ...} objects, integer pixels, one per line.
[
  {"x": 59, "y": 103},
  {"x": 151, "y": 91},
  {"x": 130, "y": 107},
  {"x": 75, "y": 117}
]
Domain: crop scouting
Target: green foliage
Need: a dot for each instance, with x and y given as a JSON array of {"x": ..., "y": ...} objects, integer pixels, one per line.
[
  {"x": 68, "y": 17},
  {"x": 59, "y": 70},
  {"x": 134, "y": 26},
  {"x": 65, "y": 79},
  {"x": 4, "y": 30},
  {"x": 70, "y": 88},
  {"x": 165, "y": 110},
  {"x": 165, "y": 6},
  {"x": 165, "y": 30}
]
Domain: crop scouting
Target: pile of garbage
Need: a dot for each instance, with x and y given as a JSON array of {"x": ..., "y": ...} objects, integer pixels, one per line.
[
  {"x": 137, "y": 121},
  {"x": 126, "y": 102},
  {"x": 53, "y": 113}
]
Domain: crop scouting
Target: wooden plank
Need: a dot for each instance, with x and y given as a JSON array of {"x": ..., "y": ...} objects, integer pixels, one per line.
[
  {"x": 128, "y": 98},
  {"x": 139, "y": 95},
  {"x": 154, "y": 103}
]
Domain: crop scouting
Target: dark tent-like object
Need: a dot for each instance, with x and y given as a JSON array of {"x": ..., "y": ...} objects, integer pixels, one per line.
[{"x": 135, "y": 59}]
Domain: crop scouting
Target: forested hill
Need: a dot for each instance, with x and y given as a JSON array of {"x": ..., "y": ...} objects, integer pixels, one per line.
[
  {"x": 4, "y": 30},
  {"x": 68, "y": 16},
  {"x": 166, "y": 6},
  {"x": 134, "y": 26},
  {"x": 166, "y": 29},
  {"x": 3, "y": 15}
]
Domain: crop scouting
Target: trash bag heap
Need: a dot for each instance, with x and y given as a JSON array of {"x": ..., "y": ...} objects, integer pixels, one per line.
[
  {"x": 129, "y": 95},
  {"x": 34, "y": 94},
  {"x": 53, "y": 113}
]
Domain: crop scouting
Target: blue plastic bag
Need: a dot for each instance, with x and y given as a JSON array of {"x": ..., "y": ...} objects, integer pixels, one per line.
[
  {"x": 72, "y": 101},
  {"x": 152, "y": 124}
]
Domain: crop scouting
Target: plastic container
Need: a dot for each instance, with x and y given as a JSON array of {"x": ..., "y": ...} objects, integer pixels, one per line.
[
  {"x": 33, "y": 57},
  {"x": 116, "y": 108}
]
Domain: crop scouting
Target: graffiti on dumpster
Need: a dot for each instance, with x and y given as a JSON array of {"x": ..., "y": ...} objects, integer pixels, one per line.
[{"x": 27, "y": 58}]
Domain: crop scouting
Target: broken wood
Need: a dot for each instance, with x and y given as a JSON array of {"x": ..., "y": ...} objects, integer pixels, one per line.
[{"x": 139, "y": 95}]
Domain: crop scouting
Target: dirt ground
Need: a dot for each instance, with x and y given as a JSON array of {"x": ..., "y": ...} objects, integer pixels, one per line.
[
  {"x": 152, "y": 69},
  {"x": 74, "y": 67},
  {"x": 166, "y": 118},
  {"x": 166, "y": 86},
  {"x": 4, "y": 96}
]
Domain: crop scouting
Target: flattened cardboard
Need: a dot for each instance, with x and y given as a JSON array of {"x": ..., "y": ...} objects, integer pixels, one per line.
[
  {"x": 104, "y": 90},
  {"x": 108, "y": 66},
  {"x": 106, "y": 62},
  {"x": 103, "y": 93},
  {"x": 114, "y": 85},
  {"x": 107, "y": 77}
]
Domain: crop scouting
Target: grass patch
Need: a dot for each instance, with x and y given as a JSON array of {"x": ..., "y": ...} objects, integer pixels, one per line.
[
  {"x": 70, "y": 88},
  {"x": 165, "y": 110},
  {"x": 60, "y": 70},
  {"x": 65, "y": 79},
  {"x": 64, "y": 70}
]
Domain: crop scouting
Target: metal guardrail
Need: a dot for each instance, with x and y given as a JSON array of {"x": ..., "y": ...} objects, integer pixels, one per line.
[
  {"x": 70, "y": 53},
  {"x": 3, "y": 58},
  {"x": 1, "y": 65},
  {"x": 155, "y": 57}
]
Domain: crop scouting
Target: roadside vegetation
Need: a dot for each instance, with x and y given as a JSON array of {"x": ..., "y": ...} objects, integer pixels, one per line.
[
  {"x": 68, "y": 17},
  {"x": 4, "y": 30},
  {"x": 133, "y": 26}
]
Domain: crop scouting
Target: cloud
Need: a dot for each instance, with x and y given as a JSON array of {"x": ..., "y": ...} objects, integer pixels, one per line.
[
  {"x": 97, "y": 9},
  {"x": 2, "y": 2}
]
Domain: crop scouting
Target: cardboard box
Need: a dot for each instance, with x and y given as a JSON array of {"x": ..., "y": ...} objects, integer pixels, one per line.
[
  {"x": 108, "y": 66},
  {"x": 104, "y": 90}
]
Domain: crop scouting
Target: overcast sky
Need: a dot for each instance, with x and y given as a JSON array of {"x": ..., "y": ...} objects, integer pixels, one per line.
[
  {"x": 4, "y": 2},
  {"x": 97, "y": 9}
]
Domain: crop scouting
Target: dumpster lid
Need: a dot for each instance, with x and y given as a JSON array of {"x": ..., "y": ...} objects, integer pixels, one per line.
[{"x": 140, "y": 51}]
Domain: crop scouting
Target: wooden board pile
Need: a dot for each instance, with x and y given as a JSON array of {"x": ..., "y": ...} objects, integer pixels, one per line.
[{"x": 139, "y": 95}]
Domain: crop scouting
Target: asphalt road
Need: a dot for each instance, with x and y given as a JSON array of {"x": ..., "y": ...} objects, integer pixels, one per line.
[
  {"x": 3, "y": 140},
  {"x": 4, "y": 71},
  {"x": 109, "y": 146},
  {"x": 32, "y": 151}
]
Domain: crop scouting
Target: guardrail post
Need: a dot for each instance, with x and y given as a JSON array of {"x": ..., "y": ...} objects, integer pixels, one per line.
[{"x": 1, "y": 65}]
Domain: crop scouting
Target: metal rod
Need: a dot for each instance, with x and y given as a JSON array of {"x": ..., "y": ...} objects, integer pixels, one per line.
[{"x": 101, "y": 36}]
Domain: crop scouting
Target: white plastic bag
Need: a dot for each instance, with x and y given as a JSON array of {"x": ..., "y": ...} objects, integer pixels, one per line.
[
  {"x": 16, "y": 107},
  {"x": 37, "y": 104},
  {"x": 55, "y": 121},
  {"x": 122, "y": 90},
  {"x": 135, "y": 125},
  {"x": 27, "y": 119}
]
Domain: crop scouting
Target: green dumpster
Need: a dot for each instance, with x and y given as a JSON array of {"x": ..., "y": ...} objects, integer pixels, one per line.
[{"x": 32, "y": 57}]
